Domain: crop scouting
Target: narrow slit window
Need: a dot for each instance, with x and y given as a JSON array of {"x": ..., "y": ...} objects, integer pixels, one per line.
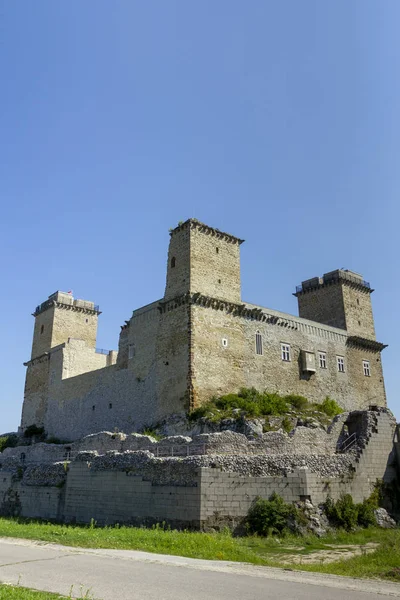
[
  {"x": 131, "y": 353},
  {"x": 173, "y": 262},
  {"x": 259, "y": 343},
  {"x": 42, "y": 329}
]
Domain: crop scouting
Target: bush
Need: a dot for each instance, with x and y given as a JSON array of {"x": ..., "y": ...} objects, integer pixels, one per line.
[
  {"x": 33, "y": 430},
  {"x": 299, "y": 402},
  {"x": 266, "y": 517},
  {"x": 345, "y": 513},
  {"x": 330, "y": 407},
  {"x": 253, "y": 403},
  {"x": 287, "y": 424},
  {"x": 8, "y": 441}
]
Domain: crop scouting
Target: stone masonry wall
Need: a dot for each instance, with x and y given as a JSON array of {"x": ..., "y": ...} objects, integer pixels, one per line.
[
  {"x": 197, "y": 491},
  {"x": 221, "y": 369}
]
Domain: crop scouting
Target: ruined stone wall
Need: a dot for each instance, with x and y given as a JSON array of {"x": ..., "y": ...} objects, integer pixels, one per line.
[{"x": 194, "y": 491}]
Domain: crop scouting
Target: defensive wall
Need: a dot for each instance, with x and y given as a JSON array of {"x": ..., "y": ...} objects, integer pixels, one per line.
[{"x": 117, "y": 478}]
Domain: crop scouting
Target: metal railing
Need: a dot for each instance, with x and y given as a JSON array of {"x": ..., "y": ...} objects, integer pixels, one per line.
[
  {"x": 336, "y": 276},
  {"x": 348, "y": 442}
]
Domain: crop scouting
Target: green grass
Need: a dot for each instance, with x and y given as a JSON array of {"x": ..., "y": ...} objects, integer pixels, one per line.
[
  {"x": 384, "y": 563},
  {"x": 10, "y": 592},
  {"x": 252, "y": 403}
]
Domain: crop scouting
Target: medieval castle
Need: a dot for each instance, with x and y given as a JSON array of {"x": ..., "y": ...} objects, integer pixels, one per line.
[{"x": 200, "y": 340}]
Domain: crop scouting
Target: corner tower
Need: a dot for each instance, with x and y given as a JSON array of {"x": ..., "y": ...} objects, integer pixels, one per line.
[
  {"x": 341, "y": 299},
  {"x": 203, "y": 260},
  {"x": 60, "y": 318}
]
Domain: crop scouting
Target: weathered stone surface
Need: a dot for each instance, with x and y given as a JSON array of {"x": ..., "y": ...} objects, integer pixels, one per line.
[{"x": 383, "y": 519}]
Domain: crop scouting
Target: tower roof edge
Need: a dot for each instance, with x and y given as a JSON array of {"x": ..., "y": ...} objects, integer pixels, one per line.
[{"x": 195, "y": 223}]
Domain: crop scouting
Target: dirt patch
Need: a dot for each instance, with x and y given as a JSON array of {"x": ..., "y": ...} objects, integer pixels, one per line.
[{"x": 332, "y": 553}]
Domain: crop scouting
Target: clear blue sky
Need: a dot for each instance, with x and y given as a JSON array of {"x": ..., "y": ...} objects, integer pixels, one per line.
[{"x": 276, "y": 121}]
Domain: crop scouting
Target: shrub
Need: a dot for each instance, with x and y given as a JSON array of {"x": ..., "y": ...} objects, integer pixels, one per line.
[
  {"x": 33, "y": 430},
  {"x": 345, "y": 513},
  {"x": 8, "y": 441},
  {"x": 330, "y": 407},
  {"x": 287, "y": 424},
  {"x": 299, "y": 402},
  {"x": 266, "y": 517}
]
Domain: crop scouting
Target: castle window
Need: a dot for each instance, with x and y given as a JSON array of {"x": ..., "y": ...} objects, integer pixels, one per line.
[
  {"x": 217, "y": 250},
  {"x": 87, "y": 320},
  {"x": 259, "y": 343},
  {"x": 224, "y": 342},
  {"x": 358, "y": 302},
  {"x": 42, "y": 329},
  {"x": 94, "y": 407},
  {"x": 285, "y": 352},
  {"x": 340, "y": 364},
  {"x": 366, "y": 368},
  {"x": 67, "y": 453},
  {"x": 110, "y": 405},
  {"x": 131, "y": 352},
  {"x": 173, "y": 262},
  {"x": 219, "y": 281},
  {"x": 322, "y": 360}
]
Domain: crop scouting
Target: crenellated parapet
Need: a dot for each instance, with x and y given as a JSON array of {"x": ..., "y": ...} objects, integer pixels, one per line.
[{"x": 206, "y": 229}]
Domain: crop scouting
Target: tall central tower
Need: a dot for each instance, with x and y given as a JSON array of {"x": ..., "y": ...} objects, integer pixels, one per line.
[{"x": 203, "y": 260}]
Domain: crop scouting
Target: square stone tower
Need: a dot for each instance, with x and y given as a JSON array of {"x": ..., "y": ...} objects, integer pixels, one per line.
[
  {"x": 203, "y": 260},
  {"x": 341, "y": 299},
  {"x": 57, "y": 319},
  {"x": 61, "y": 317}
]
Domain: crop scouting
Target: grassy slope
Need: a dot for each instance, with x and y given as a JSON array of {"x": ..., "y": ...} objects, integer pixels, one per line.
[
  {"x": 8, "y": 592},
  {"x": 384, "y": 563}
]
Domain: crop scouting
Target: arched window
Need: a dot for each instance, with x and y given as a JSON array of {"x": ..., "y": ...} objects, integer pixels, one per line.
[
  {"x": 259, "y": 343},
  {"x": 173, "y": 262}
]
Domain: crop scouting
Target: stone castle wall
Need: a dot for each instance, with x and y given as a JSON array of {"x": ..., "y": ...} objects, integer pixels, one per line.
[{"x": 220, "y": 369}]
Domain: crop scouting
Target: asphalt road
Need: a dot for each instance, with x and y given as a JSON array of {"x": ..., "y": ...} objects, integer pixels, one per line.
[{"x": 130, "y": 575}]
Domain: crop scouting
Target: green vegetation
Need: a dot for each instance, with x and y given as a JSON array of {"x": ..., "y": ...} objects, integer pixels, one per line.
[
  {"x": 383, "y": 563},
  {"x": 152, "y": 432},
  {"x": 8, "y": 441},
  {"x": 251, "y": 403},
  {"x": 345, "y": 513},
  {"x": 269, "y": 517},
  {"x": 11, "y": 592},
  {"x": 330, "y": 407},
  {"x": 34, "y": 430}
]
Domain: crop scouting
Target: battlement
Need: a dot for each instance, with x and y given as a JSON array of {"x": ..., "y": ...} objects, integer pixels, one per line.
[
  {"x": 203, "y": 228},
  {"x": 339, "y": 275},
  {"x": 66, "y": 299}
]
